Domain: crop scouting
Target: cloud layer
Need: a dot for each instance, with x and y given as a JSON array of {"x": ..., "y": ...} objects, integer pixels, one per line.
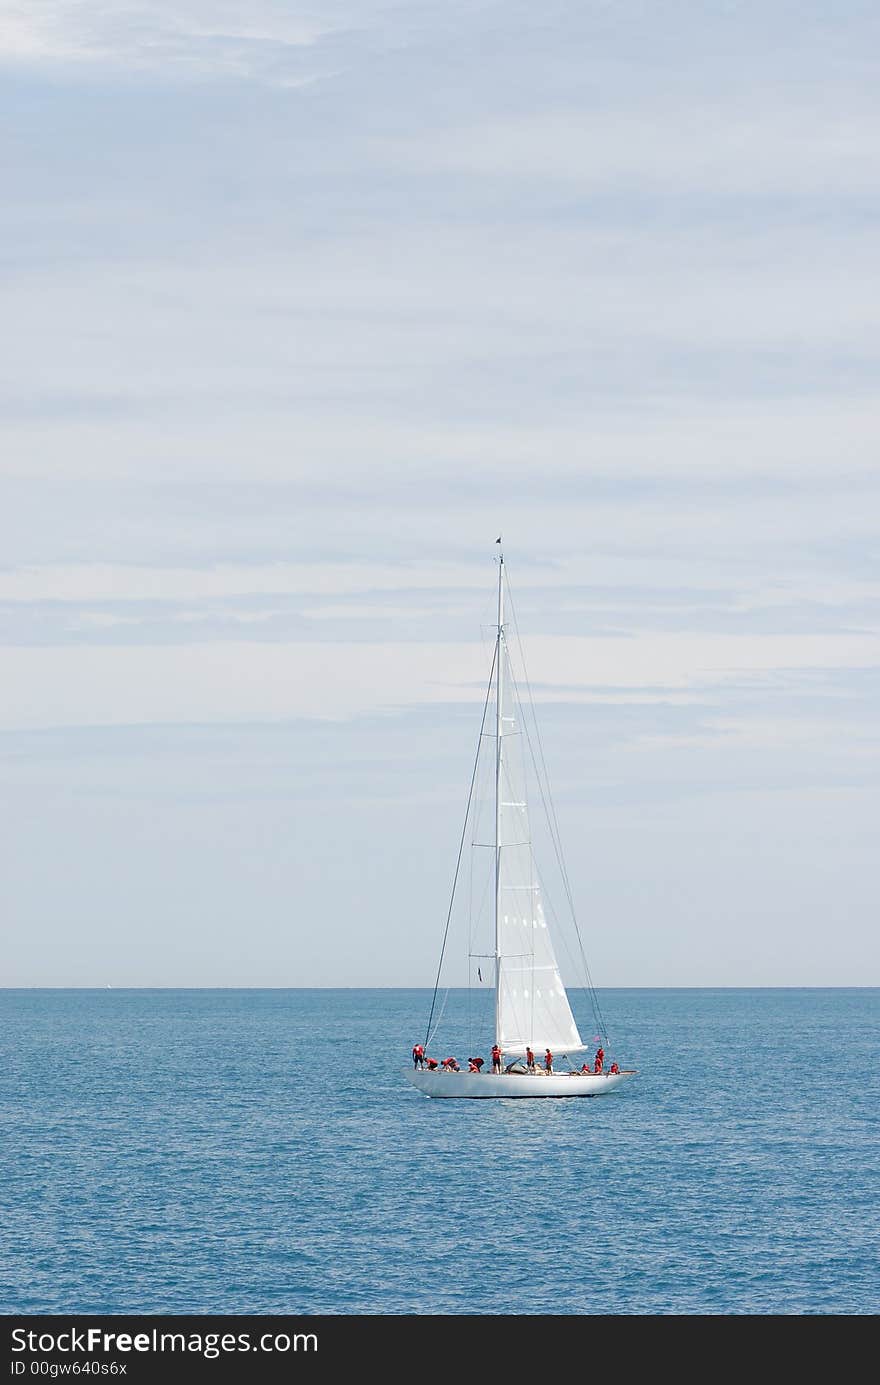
[{"x": 303, "y": 308}]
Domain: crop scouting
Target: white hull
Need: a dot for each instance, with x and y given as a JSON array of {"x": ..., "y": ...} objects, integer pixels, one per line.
[{"x": 482, "y": 1086}]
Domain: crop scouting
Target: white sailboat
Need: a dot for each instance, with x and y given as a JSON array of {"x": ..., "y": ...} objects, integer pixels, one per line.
[{"x": 533, "y": 1015}]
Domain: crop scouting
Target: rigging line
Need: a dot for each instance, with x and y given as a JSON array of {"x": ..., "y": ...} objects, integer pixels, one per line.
[
  {"x": 477, "y": 919},
  {"x": 461, "y": 848},
  {"x": 552, "y": 821},
  {"x": 535, "y": 875},
  {"x": 470, "y": 945},
  {"x": 480, "y": 913},
  {"x": 589, "y": 989},
  {"x": 429, "y": 1037},
  {"x": 560, "y": 860}
]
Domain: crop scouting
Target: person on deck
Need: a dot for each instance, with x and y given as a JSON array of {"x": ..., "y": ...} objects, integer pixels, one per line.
[
  {"x": 600, "y": 1059},
  {"x": 418, "y": 1056},
  {"x": 614, "y": 1068},
  {"x": 450, "y": 1065},
  {"x": 474, "y": 1064},
  {"x": 585, "y": 1067},
  {"x": 496, "y": 1058},
  {"x": 548, "y": 1060},
  {"x": 431, "y": 1064},
  {"x": 530, "y": 1060}
]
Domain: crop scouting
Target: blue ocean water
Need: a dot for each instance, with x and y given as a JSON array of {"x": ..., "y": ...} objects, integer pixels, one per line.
[{"x": 260, "y": 1152}]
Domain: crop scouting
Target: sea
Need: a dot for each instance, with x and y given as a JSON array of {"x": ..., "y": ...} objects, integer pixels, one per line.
[{"x": 260, "y": 1151}]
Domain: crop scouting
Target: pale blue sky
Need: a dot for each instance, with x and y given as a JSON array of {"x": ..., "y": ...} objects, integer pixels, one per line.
[{"x": 305, "y": 304}]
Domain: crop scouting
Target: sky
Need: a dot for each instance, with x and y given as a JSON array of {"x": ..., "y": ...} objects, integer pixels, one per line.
[{"x": 303, "y": 306}]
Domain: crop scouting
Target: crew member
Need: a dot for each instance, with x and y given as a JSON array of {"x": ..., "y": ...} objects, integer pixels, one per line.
[
  {"x": 496, "y": 1058},
  {"x": 600, "y": 1059},
  {"x": 530, "y": 1060},
  {"x": 614, "y": 1068},
  {"x": 548, "y": 1060},
  {"x": 418, "y": 1056},
  {"x": 474, "y": 1064},
  {"x": 450, "y": 1065}
]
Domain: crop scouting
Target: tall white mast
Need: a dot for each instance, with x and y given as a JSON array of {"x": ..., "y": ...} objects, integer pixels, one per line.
[{"x": 498, "y": 743}]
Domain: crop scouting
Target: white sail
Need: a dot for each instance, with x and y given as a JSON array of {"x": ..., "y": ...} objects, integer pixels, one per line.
[{"x": 532, "y": 1007}]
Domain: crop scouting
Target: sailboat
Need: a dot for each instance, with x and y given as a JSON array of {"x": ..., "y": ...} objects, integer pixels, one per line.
[{"x": 533, "y": 1015}]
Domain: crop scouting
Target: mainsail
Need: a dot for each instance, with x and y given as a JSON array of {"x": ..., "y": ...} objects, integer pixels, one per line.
[{"x": 531, "y": 1006}]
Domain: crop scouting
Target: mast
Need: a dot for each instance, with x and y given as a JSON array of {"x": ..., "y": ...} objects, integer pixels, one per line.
[{"x": 498, "y": 742}]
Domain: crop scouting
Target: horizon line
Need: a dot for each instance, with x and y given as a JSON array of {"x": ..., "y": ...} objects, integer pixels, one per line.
[{"x": 763, "y": 986}]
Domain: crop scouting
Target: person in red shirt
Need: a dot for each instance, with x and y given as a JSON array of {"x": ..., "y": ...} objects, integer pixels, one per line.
[
  {"x": 496, "y": 1058},
  {"x": 614, "y": 1068},
  {"x": 450, "y": 1065},
  {"x": 418, "y": 1056},
  {"x": 431, "y": 1063},
  {"x": 530, "y": 1060},
  {"x": 548, "y": 1060},
  {"x": 600, "y": 1059},
  {"x": 475, "y": 1064}
]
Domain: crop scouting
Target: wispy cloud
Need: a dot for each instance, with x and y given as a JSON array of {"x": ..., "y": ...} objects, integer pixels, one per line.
[
  {"x": 695, "y": 147},
  {"x": 184, "y": 37},
  {"x": 220, "y": 682}
]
